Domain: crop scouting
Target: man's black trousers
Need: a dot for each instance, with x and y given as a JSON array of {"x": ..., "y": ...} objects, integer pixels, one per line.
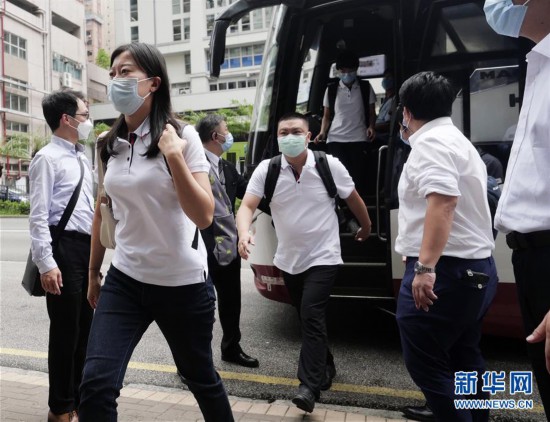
[
  {"x": 227, "y": 281},
  {"x": 70, "y": 320},
  {"x": 310, "y": 293}
]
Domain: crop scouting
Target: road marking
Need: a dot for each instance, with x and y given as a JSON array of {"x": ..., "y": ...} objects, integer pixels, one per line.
[{"x": 261, "y": 379}]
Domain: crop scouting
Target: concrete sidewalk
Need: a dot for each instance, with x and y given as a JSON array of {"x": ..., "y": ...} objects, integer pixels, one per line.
[{"x": 24, "y": 397}]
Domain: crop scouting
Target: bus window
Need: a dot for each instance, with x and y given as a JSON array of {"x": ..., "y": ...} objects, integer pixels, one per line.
[
  {"x": 259, "y": 126},
  {"x": 494, "y": 110},
  {"x": 454, "y": 32},
  {"x": 302, "y": 100}
]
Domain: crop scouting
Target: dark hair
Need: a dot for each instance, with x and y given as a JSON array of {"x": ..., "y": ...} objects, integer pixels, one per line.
[
  {"x": 78, "y": 94},
  {"x": 149, "y": 59},
  {"x": 347, "y": 59},
  {"x": 428, "y": 96},
  {"x": 207, "y": 125},
  {"x": 294, "y": 115},
  {"x": 57, "y": 104}
]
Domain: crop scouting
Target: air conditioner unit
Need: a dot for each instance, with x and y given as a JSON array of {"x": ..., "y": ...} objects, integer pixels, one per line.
[{"x": 67, "y": 80}]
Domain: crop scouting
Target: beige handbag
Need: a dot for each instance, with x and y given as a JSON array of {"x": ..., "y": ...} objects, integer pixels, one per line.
[{"x": 108, "y": 222}]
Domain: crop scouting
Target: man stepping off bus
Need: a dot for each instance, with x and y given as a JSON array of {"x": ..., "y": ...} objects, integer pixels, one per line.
[{"x": 308, "y": 250}]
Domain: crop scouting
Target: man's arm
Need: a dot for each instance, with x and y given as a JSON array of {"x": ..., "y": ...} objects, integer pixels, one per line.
[
  {"x": 325, "y": 123},
  {"x": 372, "y": 121},
  {"x": 437, "y": 227},
  {"x": 42, "y": 180},
  {"x": 244, "y": 220},
  {"x": 359, "y": 209}
]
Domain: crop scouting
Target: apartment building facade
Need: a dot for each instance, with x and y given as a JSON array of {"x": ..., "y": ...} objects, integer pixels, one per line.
[
  {"x": 42, "y": 50},
  {"x": 181, "y": 30},
  {"x": 51, "y": 44}
]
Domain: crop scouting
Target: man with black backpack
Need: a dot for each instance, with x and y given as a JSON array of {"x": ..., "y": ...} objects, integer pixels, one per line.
[
  {"x": 349, "y": 118},
  {"x": 302, "y": 205}
]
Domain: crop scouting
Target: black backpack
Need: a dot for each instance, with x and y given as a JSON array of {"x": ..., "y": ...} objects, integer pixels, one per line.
[
  {"x": 321, "y": 164},
  {"x": 332, "y": 88}
]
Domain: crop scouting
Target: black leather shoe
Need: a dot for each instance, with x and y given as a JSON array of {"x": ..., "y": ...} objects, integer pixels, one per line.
[
  {"x": 305, "y": 399},
  {"x": 241, "y": 358},
  {"x": 330, "y": 373},
  {"x": 420, "y": 413}
]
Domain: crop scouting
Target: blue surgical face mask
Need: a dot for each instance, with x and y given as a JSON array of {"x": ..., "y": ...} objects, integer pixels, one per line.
[
  {"x": 505, "y": 17},
  {"x": 292, "y": 145},
  {"x": 348, "y": 78},
  {"x": 123, "y": 93},
  {"x": 228, "y": 141},
  {"x": 404, "y": 128},
  {"x": 387, "y": 83}
]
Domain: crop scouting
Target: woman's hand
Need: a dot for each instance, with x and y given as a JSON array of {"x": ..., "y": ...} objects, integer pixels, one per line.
[
  {"x": 94, "y": 286},
  {"x": 170, "y": 143}
]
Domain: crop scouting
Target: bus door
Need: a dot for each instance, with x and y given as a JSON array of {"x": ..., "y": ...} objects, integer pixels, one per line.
[{"x": 304, "y": 42}]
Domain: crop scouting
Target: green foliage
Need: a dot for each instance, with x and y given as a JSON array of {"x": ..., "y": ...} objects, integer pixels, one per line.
[
  {"x": 23, "y": 145},
  {"x": 99, "y": 128},
  {"x": 103, "y": 60},
  {"x": 14, "y": 208}
]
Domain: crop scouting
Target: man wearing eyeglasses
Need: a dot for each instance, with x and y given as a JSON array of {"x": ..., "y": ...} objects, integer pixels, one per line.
[{"x": 60, "y": 175}]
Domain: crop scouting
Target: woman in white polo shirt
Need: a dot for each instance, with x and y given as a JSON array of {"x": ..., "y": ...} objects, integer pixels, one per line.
[
  {"x": 161, "y": 197},
  {"x": 445, "y": 232}
]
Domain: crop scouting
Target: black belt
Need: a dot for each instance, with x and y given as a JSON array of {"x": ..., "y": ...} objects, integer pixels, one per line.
[
  {"x": 73, "y": 234},
  {"x": 540, "y": 239}
]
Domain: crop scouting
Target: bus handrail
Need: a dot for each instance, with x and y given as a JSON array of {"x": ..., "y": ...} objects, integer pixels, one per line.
[{"x": 380, "y": 150}]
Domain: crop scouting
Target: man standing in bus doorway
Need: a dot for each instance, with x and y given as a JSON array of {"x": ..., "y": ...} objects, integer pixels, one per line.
[
  {"x": 523, "y": 210},
  {"x": 224, "y": 263},
  {"x": 450, "y": 277},
  {"x": 349, "y": 118},
  {"x": 308, "y": 249}
]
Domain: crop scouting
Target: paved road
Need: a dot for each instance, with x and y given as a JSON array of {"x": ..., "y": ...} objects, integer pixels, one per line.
[{"x": 365, "y": 343}]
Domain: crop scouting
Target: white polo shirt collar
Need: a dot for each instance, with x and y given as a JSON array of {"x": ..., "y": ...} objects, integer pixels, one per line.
[
  {"x": 310, "y": 161},
  {"x": 142, "y": 132},
  {"x": 355, "y": 84}
]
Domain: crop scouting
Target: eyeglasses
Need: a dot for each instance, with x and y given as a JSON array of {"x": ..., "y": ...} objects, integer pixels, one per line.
[{"x": 87, "y": 115}]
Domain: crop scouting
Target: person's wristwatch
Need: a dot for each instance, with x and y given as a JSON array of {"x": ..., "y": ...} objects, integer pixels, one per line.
[{"x": 420, "y": 268}]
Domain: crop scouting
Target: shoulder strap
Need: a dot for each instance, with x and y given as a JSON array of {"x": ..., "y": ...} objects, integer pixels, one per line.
[
  {"x": 273, "y": 171},
  {"x": 321, "y": 164},
  {"x": 365, "y": 94},
  {"x": 332, "y": 89},
  {"x": 70, "y": 206}
]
